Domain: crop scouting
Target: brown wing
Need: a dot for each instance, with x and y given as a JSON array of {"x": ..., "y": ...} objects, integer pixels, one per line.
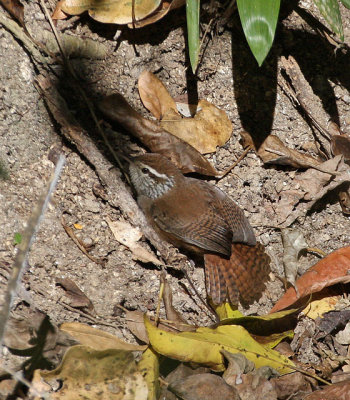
[
  {"x": 245, "y": 273},
  {"x": 195, "y": 220},
  {"x": 242, "y": 232},
  {"x": 210, "y": 221}
]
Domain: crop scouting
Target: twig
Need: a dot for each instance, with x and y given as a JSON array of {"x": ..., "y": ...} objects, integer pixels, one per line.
[{"x": 24, "y": 247}]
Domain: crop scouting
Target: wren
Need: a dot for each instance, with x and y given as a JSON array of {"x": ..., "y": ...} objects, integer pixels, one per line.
[{"x": 198, "y": 217}]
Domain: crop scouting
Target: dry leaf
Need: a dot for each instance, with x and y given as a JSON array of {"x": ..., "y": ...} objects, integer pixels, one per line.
[
  {"x": 97, "y": 339},
  {"x": 287, "y": 386},
  {"x": 154, "y": 95},
  {"x": 111, "y": 11},
  {"x": 136, "y": 325},
  {"x": 337, "y": 391},
  {"x": 129, "y": 236},
  {"x": 15, "y": 8},
  {"x": 293, "y": 243},
  {"x": 344, "y": 200},
  {"x": 77, "y": 297},
  {"x": 203, "y": 387},
  {"x": 58, "y": 13},
  {"x": 177, "y": 320},
  {"x": 308, "y": 188},
  {"x": 340, "y": 144},
  {"x": 86, "y": 373},
  {"x": 184, "y": 156},
  {"x": 273, "y": 151},
  {"x": 207, "y": 130},
  {"x": 160, "y": 13},
  {"x": 332, "y": 269}
]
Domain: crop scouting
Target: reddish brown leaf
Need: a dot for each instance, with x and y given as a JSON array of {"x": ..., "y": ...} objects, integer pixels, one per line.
[
  {"x": 15, "y": 8},
  {"x": 332, "y": 269},
  {"x": 337, "y": 391},
  {"x": 158, "y": 140}
]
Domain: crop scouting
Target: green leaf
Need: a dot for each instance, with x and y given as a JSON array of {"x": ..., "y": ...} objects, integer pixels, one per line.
[
  {"x": 330, "y": 11},
  {"x": 346, "y": 3},
  {"x": 259, "y": 20},
  {"x": 192, "y": 16},
  {"x": 17, "y": 239}
]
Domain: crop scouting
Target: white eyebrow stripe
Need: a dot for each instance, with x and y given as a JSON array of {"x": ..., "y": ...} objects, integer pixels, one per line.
[{"x": 156, "y": 173}]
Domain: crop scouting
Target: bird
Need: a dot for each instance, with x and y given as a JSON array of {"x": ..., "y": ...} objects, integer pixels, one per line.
[{"x": 200, "y": 218}]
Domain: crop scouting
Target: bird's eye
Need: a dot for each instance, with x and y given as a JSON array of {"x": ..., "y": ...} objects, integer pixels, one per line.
[{"x": 145, "y": 170}]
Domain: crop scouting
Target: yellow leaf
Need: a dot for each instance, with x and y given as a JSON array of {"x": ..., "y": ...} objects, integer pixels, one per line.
[
  {"x": 204, "y": 347},
  {"x": 149, "y": 368},
  {"x": 78, "y": 226},
  {"x": 92, "y": 374},
  {"x": 319, "y": 307},
  {"x": 97, "y": 339},
  {"x": 227, "y": 310}
]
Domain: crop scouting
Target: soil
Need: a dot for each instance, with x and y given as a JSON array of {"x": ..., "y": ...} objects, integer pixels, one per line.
[{"x": 229, "y": 77}]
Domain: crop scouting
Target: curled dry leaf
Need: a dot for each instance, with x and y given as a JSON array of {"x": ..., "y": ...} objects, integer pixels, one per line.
[
  {"x": 111, "y": 11},
  {"x": 309, "y": 187},
  {"x": 209, "y": 128},
  {"x": 77, "y": 297},
  {"x": 178, "y": 321},
  {"x": 154, "y": 95},
  {"x": 129, "y": 236},
  {"x": 332, "y": 269},
  {"x": 158, "y": 140},
  {"x": 273, "y": 151},
  {"x": 161, "y": 12},
  {"x": 293, "y": 243}
]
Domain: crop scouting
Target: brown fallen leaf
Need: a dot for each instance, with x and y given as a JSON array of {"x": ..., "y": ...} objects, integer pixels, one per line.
[
  {"x": 177, "y": 320},
  {"x": 273, "y": 151},
  {"x": 96, "y": 338},
  {"x": 344, "y": 200},
  {"x": 129, "y": 236},
  {"x": 159, "y": 13},
  {"x": 337, "y": 391},
  {"x": 287, "y": 385},
  {"x": 77, "y": 297},
  {"x": 15, "y": 8},
  {"x": 309, "y": 187},
  {"x": 158, "y": 140},
  {"x": 203, "y": 387},
  {"x": 293, "y": 242},
  {"x": 111, "y": 11},
  {"x": 210, "y": 127},
  {"x": 340, "y": 144},
  {"x": 154, "y": 95},
  {"x": 58, "y": 14},
  {"x": 136, "y": 325},
  {"x": 332, "y": 269}
]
